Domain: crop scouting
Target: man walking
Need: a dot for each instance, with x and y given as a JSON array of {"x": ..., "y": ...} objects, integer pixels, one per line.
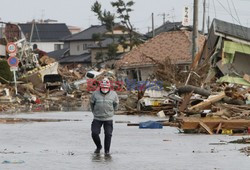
[{"x": 103, "y": 104}]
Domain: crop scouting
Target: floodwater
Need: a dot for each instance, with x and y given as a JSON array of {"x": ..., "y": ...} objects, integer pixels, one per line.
[{"x": 68, "y": 145}]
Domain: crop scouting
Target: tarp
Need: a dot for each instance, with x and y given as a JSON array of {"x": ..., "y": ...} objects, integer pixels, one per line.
[
  {"x": 230, "y": 48},
  {"x": 150, "y": 125},
  {"x": 235, "y": 80}
]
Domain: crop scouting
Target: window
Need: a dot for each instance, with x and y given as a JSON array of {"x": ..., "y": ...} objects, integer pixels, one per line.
[
  {"x": 139, "y": 72},
  {"x": 84, "y": 47},
  {"x": 186, "y": 67},
  {"x": 58, "y": 46},
  {"x": 78, "y": 47}
]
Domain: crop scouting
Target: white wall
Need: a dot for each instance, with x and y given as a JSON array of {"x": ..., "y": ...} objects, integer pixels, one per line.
[
  {"x": 79, "y": 47},
  {"x": 145, "y": 72},
  {"x": 2, "y": 50},
  {"x": 47, "y": 46}
]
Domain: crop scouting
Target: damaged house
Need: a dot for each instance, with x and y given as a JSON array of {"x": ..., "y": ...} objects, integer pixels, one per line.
[
  {"x": 176, "y": 46},
  {"x": 228, "y": 48}
]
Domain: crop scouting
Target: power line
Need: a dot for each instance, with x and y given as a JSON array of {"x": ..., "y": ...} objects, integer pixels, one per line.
[
  {"x": 244, "y": 31},
  {"x": 230, "y": 10},
  {"x": 227, "y": 11},
  {"x": 236, "y": 12},
  {"x": 214, "y": 9}
]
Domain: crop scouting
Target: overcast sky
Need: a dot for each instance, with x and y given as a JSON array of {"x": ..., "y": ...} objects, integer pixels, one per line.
[{"x": 78, "y": 13}]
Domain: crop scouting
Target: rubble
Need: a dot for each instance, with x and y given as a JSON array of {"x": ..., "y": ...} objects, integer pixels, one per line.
[{"x": 246, "y": 150}]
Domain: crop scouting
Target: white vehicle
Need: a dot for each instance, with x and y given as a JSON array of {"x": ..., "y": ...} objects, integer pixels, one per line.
[{"x": 75, "y": 85}]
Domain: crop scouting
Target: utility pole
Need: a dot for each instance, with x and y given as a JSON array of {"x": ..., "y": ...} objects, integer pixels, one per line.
[
  {"x": 208, "y": 24},
  {"x": 149, "y": 29},
  {"x": 164, "y": 17},
  {"x": 153, "y": 27},
  {"x": 195, "y": 30},
  {"x": 204, "y": 16}
]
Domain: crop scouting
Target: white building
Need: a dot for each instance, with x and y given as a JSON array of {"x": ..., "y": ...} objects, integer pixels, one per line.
[{"x": 47, "y": 36}]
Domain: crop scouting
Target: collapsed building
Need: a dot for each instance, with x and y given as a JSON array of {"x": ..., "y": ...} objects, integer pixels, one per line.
[{"x": 228, "y": 49}]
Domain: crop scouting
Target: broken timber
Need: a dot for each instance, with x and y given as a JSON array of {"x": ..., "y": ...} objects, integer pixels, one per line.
[
  {"x": 208, "y": 102},
  {"x": 212, "y": 125}
]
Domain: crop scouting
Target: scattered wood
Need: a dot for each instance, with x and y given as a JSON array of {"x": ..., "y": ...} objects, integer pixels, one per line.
[
  {"x": 208, "y": 102},
  {"x": 218, "y": 128},
  {"x": 241, "y": 141},
  {"x": 246, "y": 77},
  {"x": 185, "y": 102},
  {"x": 192, "y": 123},
  {"x": 204, "y": 126}
]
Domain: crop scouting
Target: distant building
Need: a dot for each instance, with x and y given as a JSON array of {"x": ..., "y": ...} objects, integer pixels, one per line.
[
  {"x": 47, "y": 36},
  {"x": 166, "y": 27},
  {"x": 83, "y": 44},
  {"x": 74, "y": 29}
]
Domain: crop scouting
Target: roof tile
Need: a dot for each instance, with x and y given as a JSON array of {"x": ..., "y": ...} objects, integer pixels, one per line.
[{"x": 176, "y": 44}]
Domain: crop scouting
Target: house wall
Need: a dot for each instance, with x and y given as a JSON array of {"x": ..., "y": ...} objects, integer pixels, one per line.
[
  {"x": 140, "y": 74},
  {"x": 143, "y": 73},
  {"x": 94, "y": 51},
  {"x": 120, "y": 49},
  {"x": 48, "y": 46},
  {"x": 80, "y": 47},
  {"x": 118, "y": 32},
  {"x": 2, "y": 50}
]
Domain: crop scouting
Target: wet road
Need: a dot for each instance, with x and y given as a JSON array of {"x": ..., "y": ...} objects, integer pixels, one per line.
[{"x": 68, "y": 145}]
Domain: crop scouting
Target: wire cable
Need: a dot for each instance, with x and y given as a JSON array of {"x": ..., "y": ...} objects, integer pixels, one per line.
[{"x": 214, "y": 9}]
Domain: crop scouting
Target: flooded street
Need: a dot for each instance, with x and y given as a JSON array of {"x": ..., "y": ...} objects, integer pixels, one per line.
[{"x": 68, "y": 145}]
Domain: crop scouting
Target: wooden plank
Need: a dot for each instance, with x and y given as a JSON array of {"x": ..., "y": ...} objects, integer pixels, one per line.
[
  {"x": 208, "y": 102},
  {"x": 185, "y": 102},
  {"x": 246, "y": 77},
  {"x": 204, "y": 126},
  {"x": 218, "y": 128},
  {"x": 193, "y": 123}
]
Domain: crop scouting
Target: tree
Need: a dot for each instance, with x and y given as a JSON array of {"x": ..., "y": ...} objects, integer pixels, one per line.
[
  {"x": 112, "y": 50},
  {"x": 5, "y": 73},
  {"x": 106, "y": 17},
  {"x": 123, "y": 9},
  {"x": 97, "y": 37}
]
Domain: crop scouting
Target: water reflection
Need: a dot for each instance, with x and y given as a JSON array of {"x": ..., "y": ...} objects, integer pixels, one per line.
[{"x": 101, "y": 158}]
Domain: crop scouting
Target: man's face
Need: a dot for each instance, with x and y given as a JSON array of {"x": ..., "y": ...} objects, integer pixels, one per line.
[{"x": 105, "y": 89}]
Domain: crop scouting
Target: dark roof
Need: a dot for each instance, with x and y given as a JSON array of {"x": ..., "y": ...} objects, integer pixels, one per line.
[
  {"x": 83, "y": 58},
  {"x": 168, "y": 26},
  {"x": 234, "y": 30},
  {"x": 106, "y": 42},
  {"x": 58, "y": 54},
  {"x": 87, "y": 34},
  {"x": 44, "y": 32}
]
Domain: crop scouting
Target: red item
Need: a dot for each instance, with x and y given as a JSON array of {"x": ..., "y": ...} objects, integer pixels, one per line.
[{"x": 38, "y": 101}]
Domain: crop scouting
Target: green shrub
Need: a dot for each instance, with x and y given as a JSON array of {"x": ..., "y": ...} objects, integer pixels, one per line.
[{"x": 5, "y": 71}]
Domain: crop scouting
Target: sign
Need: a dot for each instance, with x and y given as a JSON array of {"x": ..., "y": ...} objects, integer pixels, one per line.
[
  {"x": 186, "y": 16},
  {"x": 12, "y": 54},
  {"x": 13, "y": 61},
  {"x": 13, "y": 68},
  {"x": 11, "y": 47}
]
